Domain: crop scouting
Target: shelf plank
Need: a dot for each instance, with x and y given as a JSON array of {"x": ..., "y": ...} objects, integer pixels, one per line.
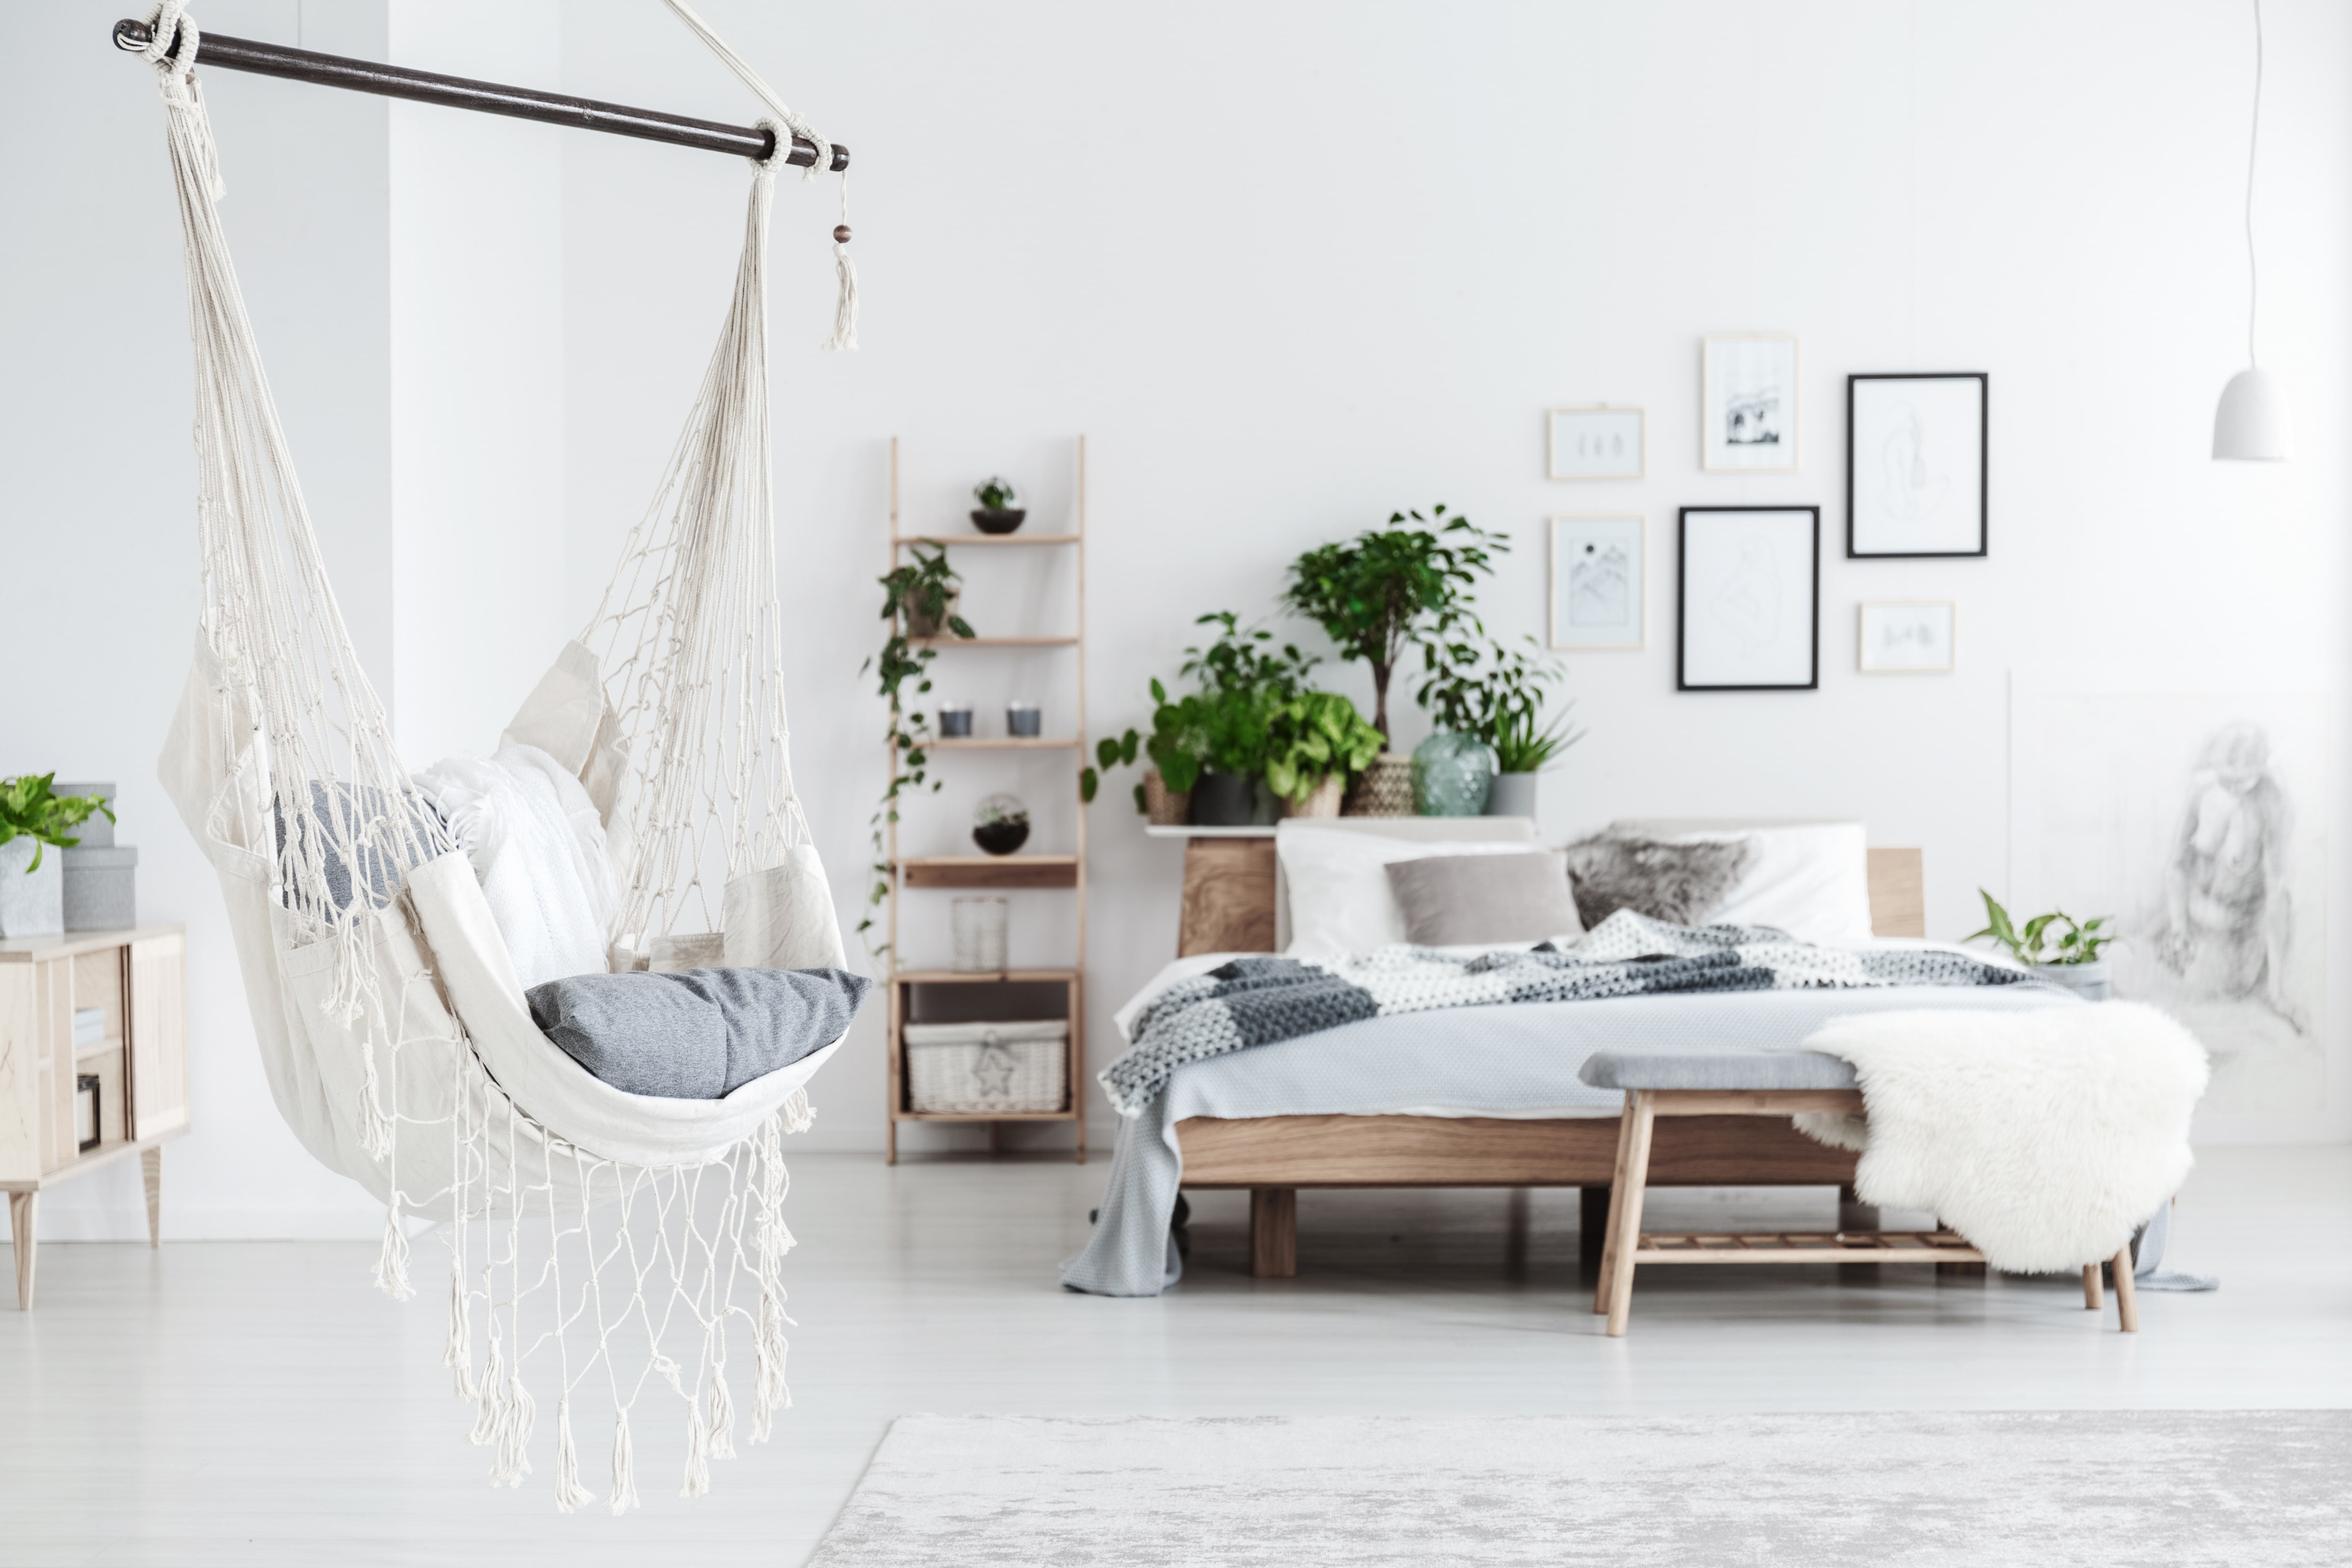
[
  {"x": 992, "y": 642},
  {"x": 1005, "y": 743},
  {"x": 995, "y": 539},
  {"x": 990, "y": 870},
  {"x": 1151, "y": 831},
  {"x": 984, "y": 977}
]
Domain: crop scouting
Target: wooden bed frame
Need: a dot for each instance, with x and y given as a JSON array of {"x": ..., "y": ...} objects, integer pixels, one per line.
[{"x": 1229, "y": 906}]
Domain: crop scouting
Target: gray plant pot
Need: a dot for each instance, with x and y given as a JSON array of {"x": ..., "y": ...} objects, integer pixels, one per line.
[
  {"x": 2091, "y": 982},
  {"x": 1512, "y": 795},
  {"x": 1224, "y": 800},
  {"x": 33, "y": 904}
]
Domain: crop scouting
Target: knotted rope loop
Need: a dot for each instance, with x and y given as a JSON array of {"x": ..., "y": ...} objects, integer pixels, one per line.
[{"x": 168, "y": 24}]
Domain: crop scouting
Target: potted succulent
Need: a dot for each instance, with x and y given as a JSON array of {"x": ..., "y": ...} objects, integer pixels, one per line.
[
  {"x": 996, "y": 514},
  {"x": 1000, "y": 825},
  {"x": 2072, "y": 956},
  {"x": 919, "y": 601},
  {"x": 1490, "y": 697},
  {"x": 1316, "y": 741},
  {"x": 33, "y": 816},
  {"x": 1386, "y": 588}
]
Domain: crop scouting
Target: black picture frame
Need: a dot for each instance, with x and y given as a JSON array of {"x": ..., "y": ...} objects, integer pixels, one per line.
[
  {"x": 1682, "y": 602},
  {"x": 1984, "y": 466}
]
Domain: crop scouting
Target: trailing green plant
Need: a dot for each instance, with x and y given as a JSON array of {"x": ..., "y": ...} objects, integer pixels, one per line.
[
  {"x": 1495, "y": 693},
  {"x": 1315, "y": 736},
  {"x": 995, "y": 494},
  {"x": 31, "y": 807},
  {"x": 1225, "y": 726},
  {"x": 2077, "y": 944},
  {"x": 1390, "y": 587},
  {"x": 923, "y": 589}
]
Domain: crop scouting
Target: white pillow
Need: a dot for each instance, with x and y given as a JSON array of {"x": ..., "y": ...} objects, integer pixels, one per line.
[
  {"x": 1340, "y": 902},
  {"x": 1811, "y": 880},
  {"x": 534, "y": 837}
]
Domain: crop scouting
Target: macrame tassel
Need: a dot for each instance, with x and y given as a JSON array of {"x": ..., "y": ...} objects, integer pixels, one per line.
[
  {"x": 513, "y": 1461},
  {"x": 798, "y": 1114},
  {"x": 491, "y": 1402},
  {"x": 768, "y": 1391},
  {"x": 845, "y": 336},
  {"x": 722, "y": 1416},
  {"x": 569, "y": 1493},
  {"x": 458, "y": 1353},
  {"x": 697, "y": 1456},
  {"x": 624, "y": 1466},
  {"x": 392, "y": 1262}
]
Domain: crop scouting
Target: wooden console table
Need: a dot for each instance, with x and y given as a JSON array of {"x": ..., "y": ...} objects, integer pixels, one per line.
[{"x": 109, "y": 1004}]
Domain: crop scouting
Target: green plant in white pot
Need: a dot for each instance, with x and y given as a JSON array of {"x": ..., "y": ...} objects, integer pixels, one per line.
[
  {"x": 33, "y": 816},
  {"x": 1495, "y": 694},
  {"x": 2054, "y": 947}
]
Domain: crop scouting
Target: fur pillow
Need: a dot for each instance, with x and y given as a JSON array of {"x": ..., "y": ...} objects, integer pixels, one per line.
[{"x": 1682, "y": 884}]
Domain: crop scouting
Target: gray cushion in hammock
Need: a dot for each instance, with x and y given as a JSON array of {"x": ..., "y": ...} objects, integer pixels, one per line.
[{"x": 695, "y": 1034}]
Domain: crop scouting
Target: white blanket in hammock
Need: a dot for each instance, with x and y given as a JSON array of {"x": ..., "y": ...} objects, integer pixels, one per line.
[
  {"x": 536, "y": 842},
  {"x": 2045, "y": 1138}
]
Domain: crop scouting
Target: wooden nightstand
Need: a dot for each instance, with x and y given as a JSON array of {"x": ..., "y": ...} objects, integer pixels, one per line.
[{"x": 106, "y": 1004}]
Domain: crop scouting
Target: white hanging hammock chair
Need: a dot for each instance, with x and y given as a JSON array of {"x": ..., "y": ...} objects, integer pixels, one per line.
[{"x": 597, "y": 1238}]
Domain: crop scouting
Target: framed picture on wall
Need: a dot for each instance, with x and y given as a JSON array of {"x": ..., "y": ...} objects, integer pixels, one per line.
[
  {"x": 1748, "y": 403},
  {"x": 1915, "y": 464},
  {"x": 1600, "y": 443},
  {"x": 1748, "y": 585},
  {"x": 1599, "y": 581},
  {"x": 1911, "y": 637}
]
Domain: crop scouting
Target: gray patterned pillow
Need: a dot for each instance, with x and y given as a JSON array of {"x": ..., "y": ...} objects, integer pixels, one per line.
[{"x": 1682, "y": 884}]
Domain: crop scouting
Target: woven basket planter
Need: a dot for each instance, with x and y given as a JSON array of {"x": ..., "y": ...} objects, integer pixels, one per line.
[
  {"x": 1384, "y": 789},
  {"x": 1163, "y": 806},
  {"x": 1323, "y": 800}
]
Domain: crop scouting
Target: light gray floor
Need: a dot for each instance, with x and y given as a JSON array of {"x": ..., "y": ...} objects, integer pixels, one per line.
[{"x": 260, "y": 1403}]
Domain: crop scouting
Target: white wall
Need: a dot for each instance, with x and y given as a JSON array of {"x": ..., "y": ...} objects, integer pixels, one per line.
[{"x": 1290, "y": 268}]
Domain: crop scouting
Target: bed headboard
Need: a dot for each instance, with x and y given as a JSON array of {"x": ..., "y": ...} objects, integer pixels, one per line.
[{"x": 1233, "y": 889}]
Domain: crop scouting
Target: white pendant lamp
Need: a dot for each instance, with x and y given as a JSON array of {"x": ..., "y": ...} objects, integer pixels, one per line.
[{"x": 2251, "y": 424}]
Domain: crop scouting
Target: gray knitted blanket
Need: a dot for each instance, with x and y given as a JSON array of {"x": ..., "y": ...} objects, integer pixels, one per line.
[{"x": 1256, "y": 1001}]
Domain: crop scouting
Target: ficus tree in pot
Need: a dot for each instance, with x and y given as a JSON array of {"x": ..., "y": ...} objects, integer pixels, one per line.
[{"x": 1388, "y": 587}]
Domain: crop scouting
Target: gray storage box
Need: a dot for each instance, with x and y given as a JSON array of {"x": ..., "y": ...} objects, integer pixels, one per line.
[
  {"x": 100, "y": 893},
  {"x": 98, "y": 832}
]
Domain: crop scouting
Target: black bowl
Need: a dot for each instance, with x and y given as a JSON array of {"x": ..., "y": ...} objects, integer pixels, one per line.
[
  {"x": 1004, "y": 521},
  {"x": 1000, "y": 838}
]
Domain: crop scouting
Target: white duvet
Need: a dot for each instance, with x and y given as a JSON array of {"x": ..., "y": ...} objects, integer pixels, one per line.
[{"x": 537, "y": 846}]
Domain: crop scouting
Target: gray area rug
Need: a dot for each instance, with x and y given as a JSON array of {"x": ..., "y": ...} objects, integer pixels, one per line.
[{"x": 2170, "y": 1487}]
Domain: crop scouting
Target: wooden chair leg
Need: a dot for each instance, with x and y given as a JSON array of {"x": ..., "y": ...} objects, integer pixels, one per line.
[
  {"x": 1616, "y": 1203},
  {"x": 1274, "y": 1232},
  {"x": 2093, "y": 1297},
  {"x": 150, "y": 1168},
  {"x": 2127, "y": 1294},
  {"x": 1626, "y": 1237},
  {"x": 23, "y": 1211}
]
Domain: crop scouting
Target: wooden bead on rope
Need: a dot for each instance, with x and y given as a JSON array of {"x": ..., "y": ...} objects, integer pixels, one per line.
[{"x": 841, "y": 233}]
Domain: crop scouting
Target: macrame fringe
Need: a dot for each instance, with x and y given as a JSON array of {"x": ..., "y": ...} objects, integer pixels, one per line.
[
  {"x": 512, "y": 1461},
  {"x": 624, "y": 1466},
  {"x": 570, "y": 1494},
  {"x": 798, "y": 1115},
  {"x": 722, "y": 1416},
  {"x": 489, "y": 1402},
  {"x": 457, "y": 1351},
  {"x": 697, "y": 1456},
  {"x": 391, "y": 1259}
]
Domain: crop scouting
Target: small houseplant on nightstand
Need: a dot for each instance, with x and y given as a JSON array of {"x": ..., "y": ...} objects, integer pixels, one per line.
[
  {"x": 1495, "y": 695},
  {"x": 1318, "y": 741},
  {"x": 32, "y": 816},
  {"x": 2070, "y": 960},
  {"x": 1214, "y": 744}
]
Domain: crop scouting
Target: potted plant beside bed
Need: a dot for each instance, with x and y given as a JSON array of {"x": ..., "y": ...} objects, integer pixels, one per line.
[
  {"x": 34, "y": 816},
  {"x": 2070, "y": 957},
  {"x": 1214, "y": 744},
  {"x": 1317, "y": 741},
  {"x": 1489, "y": 698}
]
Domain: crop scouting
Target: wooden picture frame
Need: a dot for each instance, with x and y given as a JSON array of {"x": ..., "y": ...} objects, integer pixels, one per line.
[
  {"x": 1749, "y": 404},
  {"x": 1584, "y": 606},
  {"x": 1915, "y": 489},
  {"x": 1598, "y": 442},
  {"x": 1883, "y": 645},
  {"x": 1748, "y": 588}
]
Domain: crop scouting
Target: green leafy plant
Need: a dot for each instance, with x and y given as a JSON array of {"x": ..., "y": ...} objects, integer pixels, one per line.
[
  {"x": 1315, "y": 736},
  {"x": 30, "y": 807},
  {"x": 1495, "y": 693},
  {"x": 1243, "y": 677},
  {"x": 924, "y": 590},
  {"x": 2077, "y": 944},
  {"x": 1390, "y": 587},
  {"x": 996, "y": 494}
]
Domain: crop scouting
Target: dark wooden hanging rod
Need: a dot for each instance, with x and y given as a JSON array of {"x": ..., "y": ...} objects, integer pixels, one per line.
[{"x": 488, "y": 97}]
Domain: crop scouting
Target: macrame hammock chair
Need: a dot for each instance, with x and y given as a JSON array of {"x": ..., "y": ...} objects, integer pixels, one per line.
[{"x": 602, "y": 1242}]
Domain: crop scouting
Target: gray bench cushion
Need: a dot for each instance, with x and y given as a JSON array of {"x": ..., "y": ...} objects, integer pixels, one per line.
[{"x": 1716, "y": 1069}]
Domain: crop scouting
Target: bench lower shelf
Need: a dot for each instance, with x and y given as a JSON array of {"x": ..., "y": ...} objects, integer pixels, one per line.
[{"x": 1806, "y": 1246}]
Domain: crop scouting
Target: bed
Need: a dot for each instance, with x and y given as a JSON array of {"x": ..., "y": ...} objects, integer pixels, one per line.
[{"x": 1484, "y": 1097}]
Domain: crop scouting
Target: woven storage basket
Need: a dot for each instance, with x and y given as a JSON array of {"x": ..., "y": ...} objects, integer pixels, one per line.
[
  {"x": 1384, "y": 789},
  {"x": 974, "y": 1069}
]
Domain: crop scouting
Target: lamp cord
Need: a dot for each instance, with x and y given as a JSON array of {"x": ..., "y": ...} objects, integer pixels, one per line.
[{"x": 2253, "y": 140}]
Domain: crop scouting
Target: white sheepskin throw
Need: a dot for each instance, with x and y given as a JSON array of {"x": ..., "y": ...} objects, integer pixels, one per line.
[{"x": 2045, "y": 1137}]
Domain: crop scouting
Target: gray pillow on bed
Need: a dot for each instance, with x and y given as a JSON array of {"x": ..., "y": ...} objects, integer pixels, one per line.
[
  {"x": 695, "y": 1034},
  {"x": 1452, "y": 900},
  {"x": 1682, "y": 884}
]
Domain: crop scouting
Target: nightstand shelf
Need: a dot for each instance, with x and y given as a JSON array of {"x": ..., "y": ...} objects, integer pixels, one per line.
[{"x": 967, "y": 995}]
